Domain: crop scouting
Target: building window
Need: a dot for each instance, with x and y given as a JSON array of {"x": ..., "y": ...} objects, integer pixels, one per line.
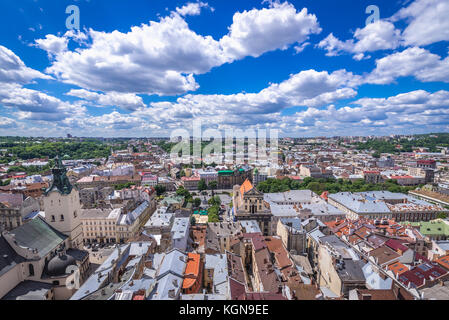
[
  {"x": 31, "y": 270},
  {"x": 62, "y": 217},
  {"x": 53, "y": 219}
]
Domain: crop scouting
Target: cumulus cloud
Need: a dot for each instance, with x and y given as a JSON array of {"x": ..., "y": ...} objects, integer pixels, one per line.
[
  {"x": 427, "y": 22},
  {"x": 417, "y": 62},
  {"x": 380, "y": 35},
  {"x": 7, "y": 123},
  {"x": 52, "y": 44},
  {"x": 192, "y": 8},
  {"x": 257, "y": 31},
  {"x": 128, "y": 101},
  {"x": 14, "y": 70},
  {"x": 405, "y": 112},
  {"x": 163, "y": 57},
  {"x": 36, "y": 105},
  {"x": 306, "y": 88}
]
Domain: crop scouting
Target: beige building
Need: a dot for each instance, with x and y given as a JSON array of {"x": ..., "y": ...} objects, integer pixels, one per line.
[
  {"x": 337, "y": 270},
  {"x": 13, "y": 209},
  {"x": 129, "y": 224},
  {"x": 249, "y": 204},
  {"x": 63, "y": 212},
  {"x": 292, "y": 234},
  {"x": 99, "y": 225}
]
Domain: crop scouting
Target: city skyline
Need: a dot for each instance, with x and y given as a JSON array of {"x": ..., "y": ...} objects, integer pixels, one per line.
[{"x": 306, "y": 68}]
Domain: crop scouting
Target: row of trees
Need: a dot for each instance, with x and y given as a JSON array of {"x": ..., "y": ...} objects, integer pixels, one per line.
[
  {"x": 70, "y": 149},
  {"x": 202, "y": 185},
  {"x": 331, "y": 185},
  {"x": 214, "y": 209}
]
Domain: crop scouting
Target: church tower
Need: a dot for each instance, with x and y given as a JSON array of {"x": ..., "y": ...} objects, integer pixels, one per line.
[{"x": 62, "y": 206}]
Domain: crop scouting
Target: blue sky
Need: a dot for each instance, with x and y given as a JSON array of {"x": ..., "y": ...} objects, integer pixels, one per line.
[{"x": 147, "y": 67}]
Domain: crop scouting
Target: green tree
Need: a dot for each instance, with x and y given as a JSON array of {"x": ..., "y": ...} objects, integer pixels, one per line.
[
  {"x": 442, "y": 215},
  {"x": 160, "y": 189},
  {"x": 213, "y": 185},
  {"x": 202, "y": 185},
  {"x": 197, "y": 202},
  {"x": 212, "y": 214},
  {"x": 215, "y": 201}
]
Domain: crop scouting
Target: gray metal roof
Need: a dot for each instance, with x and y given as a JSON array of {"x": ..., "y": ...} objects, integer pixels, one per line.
[
  {"x": 360, "y": 203},
  {"x": 180, "y": 228},
  {"x": 29, "y": 290},
  {"x": 250, "y": 226},
  {"x": 39, "y": 235},
  {"x": 8, "y": 257},
  {"x": 173, "y": 262}
]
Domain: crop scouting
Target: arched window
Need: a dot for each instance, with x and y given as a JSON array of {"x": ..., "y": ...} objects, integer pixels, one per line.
[
  {"x": 62, "y": 217},
  {"x": 31, "y": 270}
]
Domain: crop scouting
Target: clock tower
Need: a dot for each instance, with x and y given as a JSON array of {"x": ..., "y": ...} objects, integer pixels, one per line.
[{"x": 62, "y": 206}]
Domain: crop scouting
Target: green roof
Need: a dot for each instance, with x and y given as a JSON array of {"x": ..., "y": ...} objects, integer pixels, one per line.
[
  {"x": 60, "y": 181},
  {"x": 38, "y": 234},
  {"x": 225, "y": 173},
  {"x": 201, "y": 212},
  {"x": 435, "y": 227},
  {"x": 173, "y": 199}
]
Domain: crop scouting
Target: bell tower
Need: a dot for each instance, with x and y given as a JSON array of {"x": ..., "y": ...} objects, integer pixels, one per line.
[{"x": 62, "y": 206}]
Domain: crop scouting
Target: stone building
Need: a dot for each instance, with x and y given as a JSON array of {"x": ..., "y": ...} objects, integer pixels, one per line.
[
  {"x": 62, "y": 206},
  {"x": 249, "y": 204}
]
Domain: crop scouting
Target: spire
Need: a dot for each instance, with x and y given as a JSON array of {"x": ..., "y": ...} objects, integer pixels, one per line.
[{"x": 60, "y": 180}]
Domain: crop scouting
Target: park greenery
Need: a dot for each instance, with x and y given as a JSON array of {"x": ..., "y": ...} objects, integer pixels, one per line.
[
  {"x": 430, "y": 141},
  {"x": 331, "y": 185},
  {"x": 214, "y": 209},
  {"x": 124, "y": 185},
  {"x": 26, "y": 148}
]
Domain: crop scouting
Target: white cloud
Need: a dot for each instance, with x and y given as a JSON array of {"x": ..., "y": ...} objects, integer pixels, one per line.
[
  {"x": 300, "y": 48},
  {"x": 36, "y": 105},
  {"x": 192, "y": 8},
  {"x": 128, "y": 101},
  {"x": 7, "y": 123},
  {"x": 306, "y": 88},
  {"x": 380, "y": 35},
  {"x": 417, "y": 62},
  {"x": 52, "y": 44},
  {"x": 257, "y": 31},
  {"x": 13, "y": 70},
  {"x": 413, "y": 111},
  {"x": 163, "y": 57},
  {"x": 427, "y": 22}
]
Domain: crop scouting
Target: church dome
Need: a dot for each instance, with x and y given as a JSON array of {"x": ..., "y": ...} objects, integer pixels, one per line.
[{"x": 57, "y": 266}]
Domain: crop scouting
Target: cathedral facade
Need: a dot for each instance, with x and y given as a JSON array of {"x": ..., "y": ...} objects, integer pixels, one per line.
[{"x": 248, "y": 204}]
